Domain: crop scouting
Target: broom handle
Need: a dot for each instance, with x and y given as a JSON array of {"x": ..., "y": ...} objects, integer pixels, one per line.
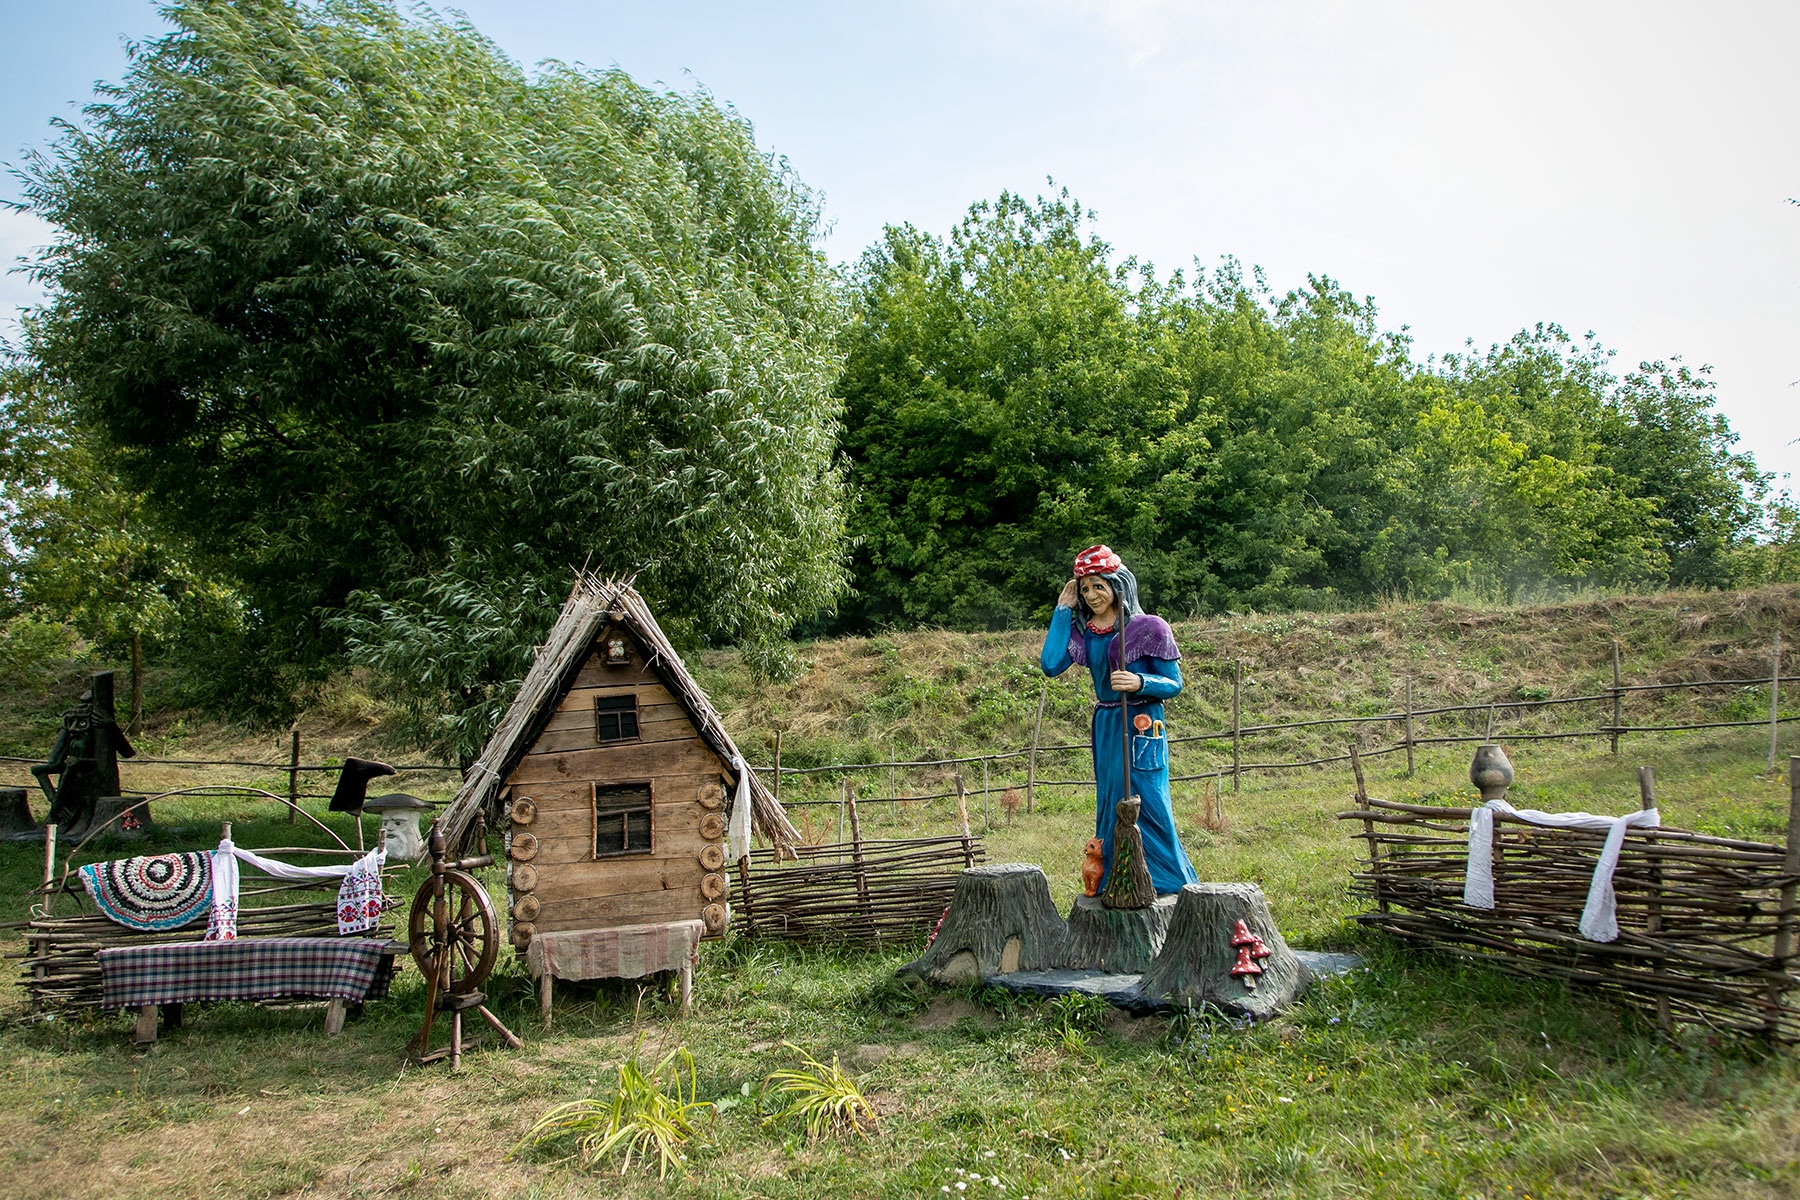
[{"x": 1124, "y": 704}]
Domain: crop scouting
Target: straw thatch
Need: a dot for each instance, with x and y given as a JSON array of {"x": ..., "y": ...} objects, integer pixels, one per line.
[{"x": 594, "y": 603}]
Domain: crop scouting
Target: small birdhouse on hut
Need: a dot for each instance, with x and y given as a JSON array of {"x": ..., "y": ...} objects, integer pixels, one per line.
[{"x": 616, "y": 783}]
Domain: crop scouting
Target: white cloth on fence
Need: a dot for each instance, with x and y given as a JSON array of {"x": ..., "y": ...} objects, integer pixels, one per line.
[
  {"x": 737, "y": 837},
  {"x": 221, "y": 923},
  {"x": 1599, "y": 917}
]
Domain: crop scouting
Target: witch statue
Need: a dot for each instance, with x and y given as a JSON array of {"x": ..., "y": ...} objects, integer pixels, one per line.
[{"x": 1084, "y": 630}]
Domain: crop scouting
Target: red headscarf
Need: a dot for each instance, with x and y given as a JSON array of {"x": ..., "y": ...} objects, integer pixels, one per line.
[{"x": 1097, "y": 560}]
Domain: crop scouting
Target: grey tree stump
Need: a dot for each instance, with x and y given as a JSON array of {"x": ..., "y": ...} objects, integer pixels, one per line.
[
  {"x": 1000, "y": 920},
  {"x": 15, "y": 811},
  {"x": 1119, "y": 941},
  {"x": 1194, "y": 965}
]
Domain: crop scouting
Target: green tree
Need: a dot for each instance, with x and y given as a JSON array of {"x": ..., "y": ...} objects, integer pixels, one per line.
[
  {"x": 385, "y": 325},
  {"x": 83, "y": 549}
]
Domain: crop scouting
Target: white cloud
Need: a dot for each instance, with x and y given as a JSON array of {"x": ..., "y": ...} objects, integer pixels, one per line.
[{"x": 21, "y": 236}]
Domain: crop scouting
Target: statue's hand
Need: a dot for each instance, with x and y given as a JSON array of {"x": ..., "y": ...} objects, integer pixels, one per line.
[
  {"x": 1067, "y": 599},
  {"x": 1126, "y": 681}
]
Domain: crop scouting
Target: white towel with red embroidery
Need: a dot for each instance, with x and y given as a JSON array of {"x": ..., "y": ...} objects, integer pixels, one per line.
[
  {"x": 1599, "y": 918},
  {"x": 359, "y": 895}
]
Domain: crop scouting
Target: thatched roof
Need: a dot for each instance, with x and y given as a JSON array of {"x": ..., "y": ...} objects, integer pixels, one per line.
[{"x": 593, "y": 603}]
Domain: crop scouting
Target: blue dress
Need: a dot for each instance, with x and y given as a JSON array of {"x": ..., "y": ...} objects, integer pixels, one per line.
[{"x": 1168, "y": 862}]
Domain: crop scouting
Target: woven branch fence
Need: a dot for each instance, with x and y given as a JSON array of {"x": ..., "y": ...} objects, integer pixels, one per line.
[
  {"x": 1707, "y": 926},
  {"x": 855, "y": 892}
]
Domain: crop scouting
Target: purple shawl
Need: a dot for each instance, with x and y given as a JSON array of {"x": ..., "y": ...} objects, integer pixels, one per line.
[{"x": 1146, "y": 636}]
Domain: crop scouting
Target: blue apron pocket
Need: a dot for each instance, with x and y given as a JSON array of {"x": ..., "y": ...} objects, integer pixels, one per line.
[{"x": 1149, "y": 753}]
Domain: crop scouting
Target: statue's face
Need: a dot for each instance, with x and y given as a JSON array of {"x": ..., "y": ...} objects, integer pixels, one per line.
[{"x": 1097, "y": 594}]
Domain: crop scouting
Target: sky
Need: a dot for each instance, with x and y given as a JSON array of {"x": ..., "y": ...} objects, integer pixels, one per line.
[{"x": 1623, "y": 168}]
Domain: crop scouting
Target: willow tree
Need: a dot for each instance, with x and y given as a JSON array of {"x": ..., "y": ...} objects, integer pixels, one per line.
[{"x": 401, "y": 335}]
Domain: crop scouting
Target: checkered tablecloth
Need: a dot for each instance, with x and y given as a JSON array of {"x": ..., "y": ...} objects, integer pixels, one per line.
[{"x": 352, "y": 969}]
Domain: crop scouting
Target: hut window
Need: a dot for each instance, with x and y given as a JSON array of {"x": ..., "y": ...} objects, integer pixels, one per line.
[
  {"x": 616, "y": 718},
  {"x": 621, "y": 819}
]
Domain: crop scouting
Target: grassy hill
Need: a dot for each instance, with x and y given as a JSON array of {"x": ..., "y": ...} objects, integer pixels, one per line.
[{"x": 1420, "y": 1076}]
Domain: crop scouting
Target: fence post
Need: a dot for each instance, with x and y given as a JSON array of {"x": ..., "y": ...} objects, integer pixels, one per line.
[
  {"x": 1617, "y": 697},
  {"x": 1037, "y": 728},
  {"x": 843, "y": 799},
  {"x": 962, "y": 821},
  {"x": 1409, "y": 728},
  {"x": 1774, "y": 698},
  {"x": 1653, "y": 918},
  {"x": 1362, "y": 803},
  {"x": 893, "y": 783},
  {"x": 987, "y": 821},
  {"x": 1237, "y": 685},
  {"x": 856, "y": 856},
  {"x": 1784, "y": 933},
  {"x": 293, "y": 774},
  {"x": 777, "y": 788}
]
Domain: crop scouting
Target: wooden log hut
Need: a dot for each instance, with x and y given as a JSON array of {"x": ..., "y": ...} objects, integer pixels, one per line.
[{"x": 615, "y": 781}]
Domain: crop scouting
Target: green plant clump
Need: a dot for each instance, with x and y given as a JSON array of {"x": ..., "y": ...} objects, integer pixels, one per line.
[
  {"x": 826, "y": 1098},
  {"x": 650, "y": 1117}
]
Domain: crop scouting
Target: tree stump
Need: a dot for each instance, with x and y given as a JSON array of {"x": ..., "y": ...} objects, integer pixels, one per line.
[
  {"x": 1119, "y": 941},
  {"x": 110, "y": 816},
  {"x": 1197, "y": 958},
  {"x": 15, "y": 812},
  {"x": 1000, "y": 920}
]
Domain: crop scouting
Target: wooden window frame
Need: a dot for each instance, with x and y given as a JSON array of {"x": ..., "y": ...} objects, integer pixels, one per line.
[
  {"x": 648, "y": 809},
  {"x": 619, "y": 712}
]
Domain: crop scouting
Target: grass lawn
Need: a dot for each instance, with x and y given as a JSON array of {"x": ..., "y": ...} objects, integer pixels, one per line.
[{"x": 1416, "y": 1076}]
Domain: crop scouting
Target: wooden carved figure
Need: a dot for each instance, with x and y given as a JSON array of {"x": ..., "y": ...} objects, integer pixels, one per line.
[
  {"x": 1097, "y": 610},
  {"x": 1093, "y": 866}
]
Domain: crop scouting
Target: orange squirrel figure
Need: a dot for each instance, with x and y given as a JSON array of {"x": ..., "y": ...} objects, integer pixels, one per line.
[{"x": 1092, "y": 868}]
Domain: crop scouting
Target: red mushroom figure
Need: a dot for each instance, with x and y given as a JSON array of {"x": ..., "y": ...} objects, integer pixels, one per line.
[{"x": 1249, "y": 949}]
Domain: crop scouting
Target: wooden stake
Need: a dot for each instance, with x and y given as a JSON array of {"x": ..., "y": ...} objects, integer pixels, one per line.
[
  {"x": 893, "y": 784},
  {"x": 987, "y": 823},
  {"x": 49, "y": 866},
  {"x": 1409, "y": 728},
  {"x": 1790, "y": 866},
  {"x": 856, "y": 855},
  {"x": 293, "y": 773},
  {"x": 1237, "y": 686},
  {"x": 1653, "y": 918},
  {"x": 1362, "y": 802},
  {"x": 1619, "y": 695},
  {"x": 962, "y": 821},
  {"x": 1037, "y": 729},
  {"x": 1774, "y": 698},
  {"x": 777, "y": 788},
  {"x": 843, "y": 798}
]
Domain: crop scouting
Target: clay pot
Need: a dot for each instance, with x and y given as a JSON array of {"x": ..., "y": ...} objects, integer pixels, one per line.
[{"x": 1491, "y": 772}]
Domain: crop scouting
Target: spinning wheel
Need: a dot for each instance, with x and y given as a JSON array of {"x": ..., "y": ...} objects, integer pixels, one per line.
[
  {"x": 467, "y": 933},
  {"x": 453, "y": 936}
]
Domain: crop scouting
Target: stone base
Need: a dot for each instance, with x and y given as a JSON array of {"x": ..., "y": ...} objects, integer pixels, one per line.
[
  {"x": 1122, "y": 991},
  {"x": 1115, "y": 940}
]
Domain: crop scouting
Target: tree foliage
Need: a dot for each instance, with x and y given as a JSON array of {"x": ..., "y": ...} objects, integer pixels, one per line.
[
  {"x": 387, "y": 326},
  {"x": 1011, "y": 397}
]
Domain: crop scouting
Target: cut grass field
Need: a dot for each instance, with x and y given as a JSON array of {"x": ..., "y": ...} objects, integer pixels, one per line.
[{"x": 1416, "y": 1076}]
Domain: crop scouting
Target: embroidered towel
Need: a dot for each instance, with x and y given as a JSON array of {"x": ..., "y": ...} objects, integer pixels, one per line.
[
  {"x": 359, "y": 896},
  {"x": 1599, "y": 917},
  {"x": 221, "y": 925},
  {"x": 155, "y": 891}
]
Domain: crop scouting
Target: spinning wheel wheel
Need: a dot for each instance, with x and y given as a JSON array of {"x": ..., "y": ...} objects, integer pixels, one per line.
[
  {"x": 454, "y": 937},
  {"x": 467, "y": 935}
]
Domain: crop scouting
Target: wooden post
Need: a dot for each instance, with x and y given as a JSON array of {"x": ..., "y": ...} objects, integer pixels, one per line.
[
  {"x": 1409, "y": 728},
  {"x": 1784, "y": 933},
  {"x": 893, "y": 784},
  {"x": 987, "y": 815},
  {"x": 843, "y": 798},
  {"x": 1653, "y": 918},
  {"x": 334, "y": 1018},
  {"x": 962, "y": 821},
  {"x": 1774, "y": 698},
  {"x": 744, "y": 887},
  {"x": 1237, "y": 686},
  {"x": 856, "y": 857},
  {"x": 49, "y": 867},
  {"x": 777, "y": 788},
  {"x": 1037, "y": 728},
  {"x": 1362, "y": 804},
  {"x": 1617, "y": 697},
  {"x": 293, "y": 773},
  {"x": 145, "y": 1032}
]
